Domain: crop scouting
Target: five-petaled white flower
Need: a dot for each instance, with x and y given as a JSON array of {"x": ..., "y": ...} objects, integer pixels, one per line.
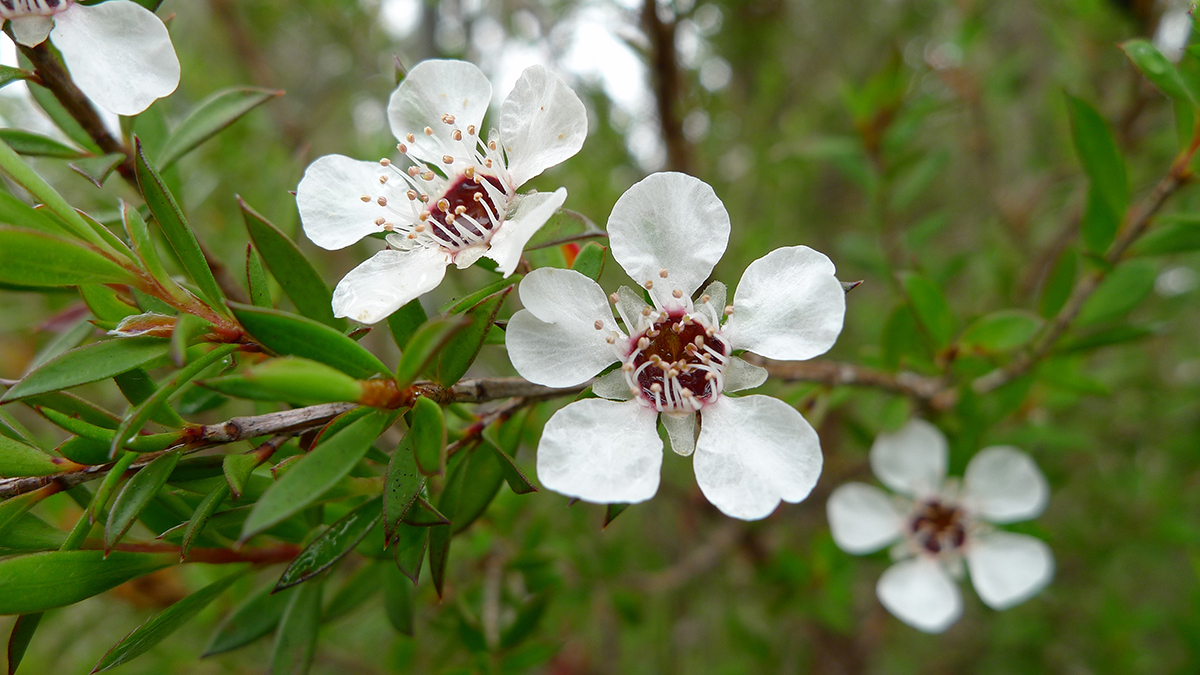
[
  {"x": 941, "y": 522},
  {"x": 118, "y": 53},
  {"x": 667, "y": 232},
  {"x": 458, "y": 200}
]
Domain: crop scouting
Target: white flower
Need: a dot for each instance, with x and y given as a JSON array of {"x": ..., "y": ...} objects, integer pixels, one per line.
[
  {"x": 667, "y": 232},
  {"x": 939, "y": 522},
  {"x": 118, "y": 53},
  {"x": 465, "y": 209}
]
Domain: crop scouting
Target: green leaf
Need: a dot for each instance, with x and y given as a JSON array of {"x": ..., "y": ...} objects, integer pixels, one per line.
[
  {"x": 428, "y": 430},
  {"x": 22, "y": 631},
  {"x": 13, "y": 211},
  {"x": 105, "y": 304},
  {"x": 170, "y": 218},
  {"x": 333, "y": 544},
  {"x": 362, "y": 585},
  {"x": 209, "y": 117},
  {"x": 35, "y": 145},
  {"x": 187, "y": 329},
  {"x": 290, "y": 379},
  {"x": 40, "y": 581},
  {"x": 18, "y": 459},
  {"x": 8, "y": 75},
  {"x": 931, "y": 307},
  {"x": 440, "y": 535},
  {"x": 398, "y": 600},
  {"x": 256, "y": 279},
  {"x": 1161, "y": 72},
  {"x": 59, "y": 115},
  {"x": 136, "y": 495},
  {"x": 206, "y": 509},
  {"x": 137, "y": 417},
  {"x": 1123, "y": 289},
  {"x": 296, "y": 639},
  {"x": 513, "y": 475},
  {"x": 97, "y": 169},
  {"x": 590, "y": 260},
  {"x": 1059, "y": 283},
  {"x": 237, "y": 469},
  {"x": 481, "y": 481},
  {"x": 1119, "y": 334},
  {"x": 425, "y": 344},
  {"x": 291, "y": 335},
  {"x": 424, "y": 514},
  {"x": 333, "y": 458},
  {"x": 253, "y": 619},
  {"x": 1099, "y": 155},
  {"x": 295, "y": 274},
  {"x": 1100, "y": 223},
  {"x": 139, "y": 443},
  {"x": 30, "y": 533},
  {"x": 402, "y": 485},
  {"x": 31, "y": 258},
  {"x": 1171, "y": 234},
  {"x": 404, "y": 322},
  {"x": 161, "y": 625},
  {"x": 1001, "y": 331},
  {"x": 137, "y": 386},
  {"x": 460, "y": 351},
  {"x": 612, "y": 511},
  {"x": 90, "y": 363},
  {"x": 143, "y": 246},
  {"x": 410, "y": 544}
]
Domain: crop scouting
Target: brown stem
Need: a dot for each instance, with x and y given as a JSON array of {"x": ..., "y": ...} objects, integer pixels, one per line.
[
  {"x": 1135, "y": 227},
  {"x": 834, "y": 374},
  {"x": 664, "y": 69},
  {"x": 55, "y": 78}
]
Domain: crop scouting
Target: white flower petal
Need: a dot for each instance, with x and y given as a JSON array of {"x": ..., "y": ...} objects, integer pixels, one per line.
[
  {"x": 911, "y": 461},
  {"x": 31, "y": 31},
  {"x": 612, "y": 386},
  {"x": 429, "y": 91},
  {"x": 1003, "y": 485},
  {"x": 554, "y": 340},
  {"x": 329, "y": 198},
  {"x": 466, "y": 257},
  {"x": 681, "y": 429},
  {"x": 669, "y": 221},
  {"x": 1008, "y": 569},
  {"x": 542, "y": 123},
  {"x": 788, "y": 306},
  {"x": 388, "y": 280},
  {"x": 753, "y": 452},
  {"x": 527, "y": 215},
  {"x": 740, "y": 375},
  {"x": 920, "y": 593},
  {"x": 863, "y": 518},
  {"x": 118, "y": 52},
  {"x": 601, "y": 451}
]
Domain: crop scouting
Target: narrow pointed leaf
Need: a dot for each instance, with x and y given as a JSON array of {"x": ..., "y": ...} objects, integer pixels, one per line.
[
  {"x": 1099, "y": 155},
  {"x": 90, "y": 363},
  {"x": 18, "y": 641},
  {"x": 137, "y": 386},
  {"x": 35, "y": 145},
  {"x": 481, "y": 481},
  {"x": 426, "y": 343},
  {"x": 256, "y": 279},
  {"x": 170, "y": 218},
  {"x": 40, "y": 581},
  {"x": 253, "y": 619},
  {"x": 295, "y": 274},
  {"x": 209, "y": 117},
  {"x": 398, "y": 600},
  {"x": 61, "y": 118},
  {"x": 402, "y": 485},
  {"x": 1001, "y": 331},
  {"x": 1161, "y": 72},
  {"x": 206, "y": 509},
  {"x": 440, "y": 535},
  {"x": 161, "y": 625},
  {"x": 424, "y": 514},
  {"x": 143, "y": 246},
  {"x": 612, "y": 511},
  {"x": 1122, "y": 291},
  {"x": 590, "y": 260},
  {"x": 97, "y": 169},
  {"x": 931, "y": 307},
  {"x": 237, "y": 469},
  {"x": 136, "y": 495},
  {"x": 296, "y": 639},
  {"x": 316, "y": 472},
  {"x": 291, "y": 335},
  {"x": 460, "y": 351},
  {"x": 428, "y": 431},
  {"x": 333, "y": 544},
  {"x": 512, "y": 473},
  {"x": 290, "y": 379},
  {"x": 404, "y": 322},
  {"x": 13, "y": 211},
  {"x": 31, "y": 258},
  {"x": 410, "y": 545},
  {"x": 18, "y": 459}
]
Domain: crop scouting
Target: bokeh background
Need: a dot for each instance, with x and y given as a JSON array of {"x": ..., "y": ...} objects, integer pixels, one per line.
[{"x": 914, "y": 135}]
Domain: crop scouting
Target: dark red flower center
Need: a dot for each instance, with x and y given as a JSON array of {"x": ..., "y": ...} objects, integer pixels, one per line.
[
  {"x": 678, "y": 359},
  {"x": 938, "y": 527},
  {"x": 464, "y": 214}
]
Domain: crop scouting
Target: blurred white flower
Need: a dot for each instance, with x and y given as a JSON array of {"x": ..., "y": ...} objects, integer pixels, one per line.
[
  {"x": 118, "y": 53},
  {"x": 676, "y": 358},
  {"x": 938, "y": 523},
  {"x": 465, "y": 209}
]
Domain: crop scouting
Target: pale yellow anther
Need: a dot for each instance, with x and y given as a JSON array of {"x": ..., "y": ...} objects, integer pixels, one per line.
[
  {"x": 644, "y": 343},
  {"x": 704, "y": 299},
  {"x": 677, "y": 294},
  {"x": 471, "y": 129},
  {"x": 448, "y": 118},
  {"x": 488, "y": 162},
  {"x": 428, "y": 131},
  {"x": 685, "y": 392},
  {"x": 469, "y": 173},
  {"x": 428, "y": 175},
  {"x": 599, "y": 324},
  {"x": 648, "y": 285},
  {"x": 478, "y": 196},
  {"x": 443, "y": 204},
  {"x": 413, "y": 171},
  {"x": 710, "y": 376},
  {"x": 612, "y": 297},
  {"x": 365, "y": 198},
  {"x": 380, "y": 220},
  {"x": 385, "y": 162},
  {"x": 412, "y": 195},
  {"x": 656, "y": 388},
  {"x": 425, "y": 198},
  {"x": 402, "y": 148},
  {"x": 663, "y": 273},
  {"x": 627, "y": 367},
  {"x": 450, "y": 218},
  {"x": 491, "y": 145},
  {"x": 382, "y": 179},
  {"x": 677, "y": 327},
  {"x": 457, "y": 135},
  {"x": 382, "y": 201},
  {"x": 388, "y": 227},
  {"x": 411, "y": 236},
  {"x": 610, "y": 340},
  {"x": 728, "y": 310},
  {"x": 459, "y": 210},
  {"x": 699, "y": 341},
  {"x": 420, "y": 227},
  {"x": 673, "y": 372},
  {"x": 447, "y": 159},
  {"x": 410, "y": 138},
  {"x": 646, "y": 311}
]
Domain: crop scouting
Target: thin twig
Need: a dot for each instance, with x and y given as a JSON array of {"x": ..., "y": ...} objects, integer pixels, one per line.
[
  {"x": 833, "y": 374},
  {"x": 1135, "y": 227},
  {"x": 664, "y": 69}
]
